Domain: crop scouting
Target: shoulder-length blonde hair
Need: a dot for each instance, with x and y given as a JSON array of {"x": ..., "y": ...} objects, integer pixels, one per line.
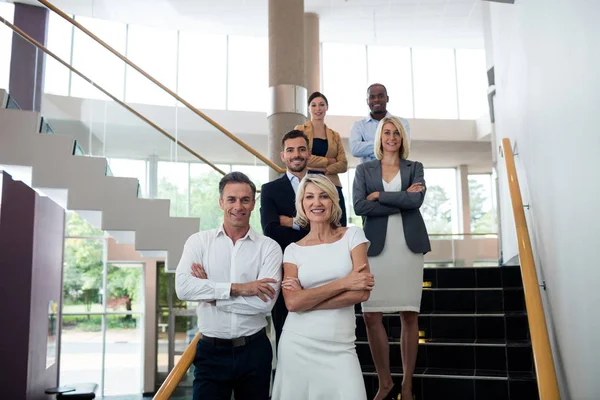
[
  {"x": 377, "y": 146},
  {"x": 323, "y": 183}
]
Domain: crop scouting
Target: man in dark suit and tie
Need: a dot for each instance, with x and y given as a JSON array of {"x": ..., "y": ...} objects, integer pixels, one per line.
[{"x": 278, "y": 206}]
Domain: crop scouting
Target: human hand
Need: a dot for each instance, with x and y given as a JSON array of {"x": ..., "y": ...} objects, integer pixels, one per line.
[
  {"x": 416, "y": 187},
  {"x": 331, "y": 160},
  {"x": 260, "y": 288},
  {"x": 291, "y": 283},
  {"x": 198, "y": 271},
  {"x": 286, "y": 221},
  {"x": 359, "y": 279},
  {"x": 373, "y": 196}
]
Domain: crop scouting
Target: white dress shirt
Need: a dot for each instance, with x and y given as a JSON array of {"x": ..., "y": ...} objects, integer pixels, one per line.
[
  {"x": 253, "y": 257},
  {"x": 295, "y": 182}
]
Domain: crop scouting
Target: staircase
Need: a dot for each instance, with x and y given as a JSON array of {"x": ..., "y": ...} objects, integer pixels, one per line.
[
  {"x": 474, "y": 338},
  {"x": 49, "y": 164}
]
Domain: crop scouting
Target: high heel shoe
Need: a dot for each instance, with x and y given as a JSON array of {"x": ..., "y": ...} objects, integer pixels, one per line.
[{"x": 394, "y": 393}]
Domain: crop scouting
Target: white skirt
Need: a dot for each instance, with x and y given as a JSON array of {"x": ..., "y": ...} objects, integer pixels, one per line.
[
  {"x": 398, "y": 274},
  {"x": 314, "y": 369}
]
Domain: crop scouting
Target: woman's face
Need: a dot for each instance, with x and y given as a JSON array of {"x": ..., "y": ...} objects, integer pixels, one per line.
[
  {"x": 391, "y": 140},
  {"x": 318, "y": 108},
  {"x": 317, "y": 204}
]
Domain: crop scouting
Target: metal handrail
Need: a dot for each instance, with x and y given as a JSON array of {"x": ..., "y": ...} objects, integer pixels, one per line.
[
  {"x": 540, "y": 340},
  {"x": 40, "y": 46},
  {"x": 205, "y": 117}
]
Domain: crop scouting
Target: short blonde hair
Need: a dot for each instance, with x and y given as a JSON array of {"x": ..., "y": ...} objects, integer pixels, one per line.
[
  {"x": 323, "y": 183},
  {"x": 378, "y": 148}
]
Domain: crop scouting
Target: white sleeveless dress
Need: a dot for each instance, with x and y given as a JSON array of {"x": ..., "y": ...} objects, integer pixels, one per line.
[
  {"x": 316, "y": 358},
  {"x": 398, "y": 271}
]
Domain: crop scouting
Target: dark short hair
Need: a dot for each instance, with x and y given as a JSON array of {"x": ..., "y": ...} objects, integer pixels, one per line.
[
  {"x": 236, "y": 177},
  {"x": 377, "y": 84},
  {"x": 316, "y": 95},
  {"x": 293, "y": 135}
]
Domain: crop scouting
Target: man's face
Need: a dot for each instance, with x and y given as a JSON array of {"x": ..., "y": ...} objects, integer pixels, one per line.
[
  {"x": 377, "y": 100},
  {"x": 295, "y": 154},
  {"x": 237, "y": 202}
]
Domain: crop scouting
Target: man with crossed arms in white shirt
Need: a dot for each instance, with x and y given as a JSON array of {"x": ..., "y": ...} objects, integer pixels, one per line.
[{"x": 234, "y": 273}]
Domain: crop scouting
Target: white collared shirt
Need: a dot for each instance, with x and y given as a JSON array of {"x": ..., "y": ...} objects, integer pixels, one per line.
[
  {"x": 253, "y": 257},
  {"x": 294, "y": 180}
]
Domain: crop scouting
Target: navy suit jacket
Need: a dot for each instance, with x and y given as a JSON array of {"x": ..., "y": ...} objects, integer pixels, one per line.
[{"x": 278, "y": 198}]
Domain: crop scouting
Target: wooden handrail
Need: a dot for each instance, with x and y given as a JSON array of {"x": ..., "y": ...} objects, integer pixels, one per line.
[
  {"x": 540, "y": 341},
  {"x": 178, "y": 371},
  {"x": 40, "y": 46},
  {"x": 205, "y": 117},
  {"x": 465, "y": 234}
]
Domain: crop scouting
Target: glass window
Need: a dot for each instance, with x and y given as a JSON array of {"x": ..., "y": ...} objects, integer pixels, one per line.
[
  {"x": 155, "y": 51},
  {"x": 482, "y": 204},
  {"x": 472, "y": 83},
  {"x": 440, "y": 208},
  {"x": 7, "y": 11},
  {"x": 204, "y": 194},
  {"x": 173, "y": 185},
  {"x": 345, "y": 78},
  {"x": 131, "y": 169},
  {"x": 435, "y": 83},
  {"x": 56, "y": 76},
  {"x": 203, "y": 69},
  {"x": 97, "y": 63},
  {"x": 391, "y": 67},
  {"x": 248, "y": 74}
]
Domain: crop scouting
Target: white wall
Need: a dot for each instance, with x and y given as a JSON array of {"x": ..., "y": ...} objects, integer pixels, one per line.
[{"x": 546, "y": 56}]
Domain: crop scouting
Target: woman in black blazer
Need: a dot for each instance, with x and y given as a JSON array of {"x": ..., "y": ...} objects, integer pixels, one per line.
[{"x": 389, "y": 192}]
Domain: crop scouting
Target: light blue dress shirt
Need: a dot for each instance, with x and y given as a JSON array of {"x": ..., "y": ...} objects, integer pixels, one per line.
[
  {"x": 362, "y": 137},
  {"x": 295, "y": 183}
]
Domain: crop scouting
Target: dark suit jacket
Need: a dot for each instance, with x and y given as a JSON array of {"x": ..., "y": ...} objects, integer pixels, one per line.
[
  {"x": 367, "y": 180},
  {"x": 277, "y": 198}
]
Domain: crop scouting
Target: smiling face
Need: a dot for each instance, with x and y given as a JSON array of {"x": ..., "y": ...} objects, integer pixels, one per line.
[
  {"x": 318, "y": 108},
  {"x": 295, "y": 154},
  {"x": 377, "y": 100},
  {"x": 237, "y": 202},
  {"x": 391, "y": 139},
  {"x": 317, "y": 204}
]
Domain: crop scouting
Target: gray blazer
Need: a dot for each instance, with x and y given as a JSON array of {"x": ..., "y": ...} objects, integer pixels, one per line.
[{"x": 368, "y": 179}]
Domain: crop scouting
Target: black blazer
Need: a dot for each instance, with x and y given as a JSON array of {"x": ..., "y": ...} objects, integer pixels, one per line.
[
  {"x": 278, "y": 198},
  {"x": 368, "y": 179}
]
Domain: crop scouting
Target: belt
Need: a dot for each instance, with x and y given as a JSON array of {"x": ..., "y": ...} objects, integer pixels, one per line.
[{"x": 236, "y": 342}]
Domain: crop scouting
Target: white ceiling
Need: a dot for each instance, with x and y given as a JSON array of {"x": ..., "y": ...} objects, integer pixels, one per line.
[{"x": 416, "y": 23}]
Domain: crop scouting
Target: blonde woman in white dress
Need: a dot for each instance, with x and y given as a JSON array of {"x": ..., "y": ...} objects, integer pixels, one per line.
[
  {"x": 325, "y": 275},
  {"x": 389, "y": 192}
]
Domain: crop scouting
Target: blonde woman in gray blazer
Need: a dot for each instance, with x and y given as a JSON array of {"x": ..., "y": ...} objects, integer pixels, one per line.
[{"x": 389, "y": 192}]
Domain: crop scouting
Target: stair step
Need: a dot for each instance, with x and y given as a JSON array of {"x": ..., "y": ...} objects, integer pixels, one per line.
[
  {"x": 435, "y": 384},
  {"x": 473, "y": 277},
  {"x": 500, "y": 326},
  {"x": 506, "y": 359}
]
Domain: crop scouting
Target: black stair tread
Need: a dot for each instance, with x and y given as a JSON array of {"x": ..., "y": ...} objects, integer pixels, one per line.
[
  {"x": 458, "y": 373},
  {"x": 477, "y": 267},
  {"x": 464, "y": 342}
]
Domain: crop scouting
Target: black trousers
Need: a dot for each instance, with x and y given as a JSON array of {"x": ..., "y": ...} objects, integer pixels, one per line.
[
  {"x": 343, "y": 220},
  {"x": 221, "y": 370}
]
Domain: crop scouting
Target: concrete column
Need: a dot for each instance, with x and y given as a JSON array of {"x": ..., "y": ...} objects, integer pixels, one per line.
[
  {"x": 27, "y": 63},
  {"x": 287, "y": 86},
  {"x": 312, "y": 53},
  {"x": 463, "y": 198}
]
